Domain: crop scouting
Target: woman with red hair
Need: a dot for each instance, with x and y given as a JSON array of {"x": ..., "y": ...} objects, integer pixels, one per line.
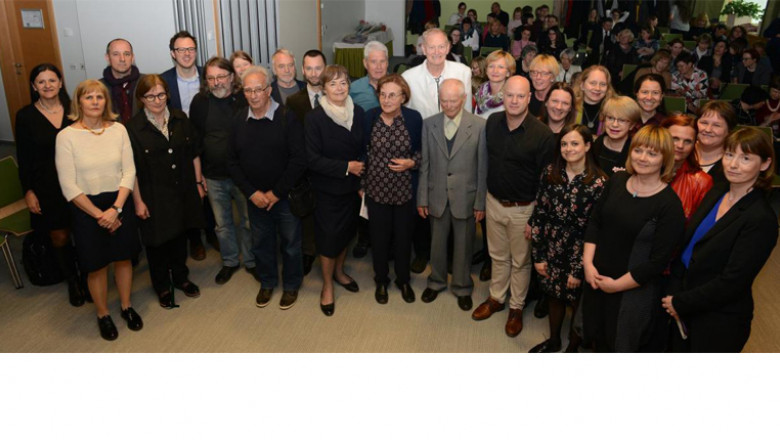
[{"x": 690, "y": 182}]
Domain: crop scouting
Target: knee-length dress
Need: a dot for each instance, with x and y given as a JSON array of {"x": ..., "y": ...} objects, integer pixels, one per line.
[{"x": 558, "y": 226}]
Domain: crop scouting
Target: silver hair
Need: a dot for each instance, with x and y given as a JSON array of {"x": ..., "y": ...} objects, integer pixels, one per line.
[
  {"x": 257, "y": 70},
  {"x": 282, "y": 51},
  {"x": 374, "y": 46},
  {"x": 459, "y": 83},
  {"x": 569, "y": 52},
  {"x": 432, "y": 31}
]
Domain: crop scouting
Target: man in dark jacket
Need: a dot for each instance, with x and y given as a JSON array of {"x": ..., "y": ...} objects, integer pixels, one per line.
[
  {"x": 185, "y": 76},
  {"x": 266, "y": 159},
  {"x": 121, "y": 78}
]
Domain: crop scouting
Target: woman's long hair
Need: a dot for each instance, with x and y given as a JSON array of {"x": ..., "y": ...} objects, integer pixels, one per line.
[
  {"x": 592, "y": 170},
  {"x": 37, "y": 70}
]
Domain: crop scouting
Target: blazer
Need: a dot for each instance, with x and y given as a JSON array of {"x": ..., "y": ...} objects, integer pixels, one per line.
[
  {"x": 173, "y": 86},
  {"x": 761, "y": 75},
  {"x": 299, "y": 103},
  {"x": 278, "y": 96},
  {"x": 329, "y": 148},
  {"x": 715, "y": 294},
  {"x": 457, "y": 178}
]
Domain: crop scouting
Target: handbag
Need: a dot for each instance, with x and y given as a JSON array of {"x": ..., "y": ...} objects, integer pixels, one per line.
[
  {"x": 301, "y": 198},
  {"x": 39, "y": 261}
]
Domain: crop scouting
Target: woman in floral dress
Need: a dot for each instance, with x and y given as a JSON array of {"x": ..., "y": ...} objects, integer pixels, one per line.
[{"x": 569, "y": 189}]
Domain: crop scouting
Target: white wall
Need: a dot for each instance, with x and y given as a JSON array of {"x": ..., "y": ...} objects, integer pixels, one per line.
[
  {"x": 393, "y": 14},
  {"x": 339, "y": 18},
  {"x": 302, "y": 36},
  {"x": 6, "y": 133}
]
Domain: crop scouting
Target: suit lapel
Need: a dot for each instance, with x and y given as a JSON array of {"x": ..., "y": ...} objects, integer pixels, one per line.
[
  {"x": 438, "y": 133},
  {"x": 732, "y": 215},
  {"x": 462, "y": 136}
]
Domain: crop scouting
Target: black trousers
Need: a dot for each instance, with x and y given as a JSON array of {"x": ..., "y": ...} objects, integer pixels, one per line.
[
  {"x": 168, "y": 261},
  {"x": 391, "y": 225}
]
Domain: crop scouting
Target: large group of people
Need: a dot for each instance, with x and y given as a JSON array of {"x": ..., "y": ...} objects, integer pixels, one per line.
[{"x": 651, "y": 225}]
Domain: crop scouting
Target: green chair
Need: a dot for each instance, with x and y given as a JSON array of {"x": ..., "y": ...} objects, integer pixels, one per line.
[
  {"x": 669, "y": 37},
  {"x": 690, "y": 45},
  {"x": 486, "y": 50},
  {"x": 674, "y": 104},
  {"x": 731, "y": 92},
  {"x": 767, "y": 130},
  {"x": 14, "y": 215},
  {"x": 570, "y": 42},
  {"x": 468, "y": 54},
  {"x": 663, "y": 30},
  {"x": 401, "y": 68},
  {"x": 627, "y": 69},
  {"x": 449, "y": 27}
]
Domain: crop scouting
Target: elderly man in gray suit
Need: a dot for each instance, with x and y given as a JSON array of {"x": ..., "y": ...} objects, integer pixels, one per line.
[{"x": 452, "y": 189}]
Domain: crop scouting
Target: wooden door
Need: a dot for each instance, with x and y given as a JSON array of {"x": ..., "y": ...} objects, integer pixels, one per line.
[{"x": 25, "y": 45}]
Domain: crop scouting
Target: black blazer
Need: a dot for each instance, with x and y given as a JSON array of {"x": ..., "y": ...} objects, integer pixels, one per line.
[
  {"x": 299, "y": 103},
  {"x": 275, "y": 90},
  {"x": 329, "y": 148},
  {"x": 173, "y": 86},
  {"x": 715, "y": 297}
]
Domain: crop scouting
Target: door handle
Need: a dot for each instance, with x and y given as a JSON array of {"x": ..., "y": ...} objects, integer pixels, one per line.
[{"x": 18, "y": 67}]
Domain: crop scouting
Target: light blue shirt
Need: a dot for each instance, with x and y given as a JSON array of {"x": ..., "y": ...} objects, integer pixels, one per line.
[
  {"x": 269, "y": 114},
  {"x": 363, "y": 94},
  {"x": 188, "y": 88}
]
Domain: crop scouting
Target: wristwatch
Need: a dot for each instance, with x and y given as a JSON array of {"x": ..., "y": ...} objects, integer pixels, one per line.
[{"x": 118, "y": 209}]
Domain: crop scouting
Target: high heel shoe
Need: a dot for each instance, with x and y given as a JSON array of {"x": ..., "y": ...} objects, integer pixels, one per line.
[{"x": 328, "y": 309}]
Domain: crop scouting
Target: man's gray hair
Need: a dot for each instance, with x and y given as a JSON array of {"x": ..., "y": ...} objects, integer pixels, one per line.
[
  {"x": 282, "y": 51},
  {"x": 257, "y": 70},
  {"x": 432, "y": 31},
  {"x": 374, "y": 46}
]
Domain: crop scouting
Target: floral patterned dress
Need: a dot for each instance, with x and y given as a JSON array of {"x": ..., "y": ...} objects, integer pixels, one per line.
[{"x": 558, "y": 226}]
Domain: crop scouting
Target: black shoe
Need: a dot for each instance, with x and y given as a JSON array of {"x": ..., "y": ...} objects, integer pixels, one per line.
[
  {"x": 487, "y": 270},
  {"x": 418, "y": 265},
  {"x": 429, "y": 295},
  {"x": 197, "y": 251},
  {"x": 546, "y": 347},
  {"x": 465, "y": 303},
  {"x": 263, "y": 297},
  {"x": 308, "y": 262},
  {"x": 133, "y": 319},
  {"x": 406, "y": 292},
  {"x": 189, "y": 288},
  {"x": 108, "y": 330},
  {"x": 352, "y": 286},
  {"x": 478, "y": 257},
  {"x": 224, "y": 274},
  {"x": 381, "y": 294},
  {"x": 360, "y": 250},
  {"x": 167, "y": 300},
  {"x": 75, "y": 295},
  {"x": 289, "y": 297},
  {"x": 542, "y": 308},
  {"x": 253, "y": 271},
  {"x": 211, "y": 238}
]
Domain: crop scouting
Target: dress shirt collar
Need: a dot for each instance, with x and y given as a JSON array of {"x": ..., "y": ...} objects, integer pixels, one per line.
[{"x": 269, "y": 114}]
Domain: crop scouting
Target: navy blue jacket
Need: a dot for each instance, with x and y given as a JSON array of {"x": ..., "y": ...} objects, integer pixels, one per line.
[{"x": 174, "y": 101}]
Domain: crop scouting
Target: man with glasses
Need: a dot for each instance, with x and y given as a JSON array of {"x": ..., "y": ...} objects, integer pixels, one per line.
[
  {"x": 285, "y": 84},
  {"x": 424, "y": 82},
  {"x": 184, "y": 77},
  {"x": 121, "y": 78},
  {"x": 212, "y": 112},
  {"x": 265, "y": 159},
  {"x": 519, "y": 147}
]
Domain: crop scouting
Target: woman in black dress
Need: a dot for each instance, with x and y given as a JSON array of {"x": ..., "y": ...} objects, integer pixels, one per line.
[
  {"x": 635, "y": 227},
  {"x": 169, "y": 187},
  {"x": 334, "y": 148},
  {"x": 569, "y": 189},
  {"x": 727, "y": 242},
  {"x": 37, "y": 126}
]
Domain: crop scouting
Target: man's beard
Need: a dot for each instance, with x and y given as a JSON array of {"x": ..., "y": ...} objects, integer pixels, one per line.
[{"x": 220, "y": 91}]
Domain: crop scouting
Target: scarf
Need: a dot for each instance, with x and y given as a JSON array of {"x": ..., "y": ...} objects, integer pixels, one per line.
[
  {"x": 340, "y": 115},
  {"x": 121, "y": 88},
  {"x": 486, "y": 101}
]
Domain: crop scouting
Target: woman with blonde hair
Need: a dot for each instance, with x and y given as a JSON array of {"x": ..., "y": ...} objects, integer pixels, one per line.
[
  {"x": 633, "y": 231},
  {"x": 490, "y": 96},
  {"x": 659, "y": 64},
  {"x": 619, "y": 116},
  {"x": 591, "y": 89},
  {"x": 543, "y": 71},
  {"x": 478, "y": 73},
  {"x": 96, "y": 172}
]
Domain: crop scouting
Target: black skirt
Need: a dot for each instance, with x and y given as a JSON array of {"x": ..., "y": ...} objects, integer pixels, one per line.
[
  {"x": 95, "y": 246},
  {"x": 335, "y": 222}
]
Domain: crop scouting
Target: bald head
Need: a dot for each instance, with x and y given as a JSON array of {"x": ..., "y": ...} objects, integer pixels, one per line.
[
  {"x": 452, "y": 96},
  {"x": 517, "y": 96}
]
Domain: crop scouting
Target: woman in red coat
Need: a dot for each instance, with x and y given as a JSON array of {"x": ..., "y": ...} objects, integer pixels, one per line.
[{"x": 690, "y": 182}]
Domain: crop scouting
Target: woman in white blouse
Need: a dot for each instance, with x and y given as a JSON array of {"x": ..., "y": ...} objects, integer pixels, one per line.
[{"x": 95, "y": 166}]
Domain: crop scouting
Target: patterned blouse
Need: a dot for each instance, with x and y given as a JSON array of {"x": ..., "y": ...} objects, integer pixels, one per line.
[
  {"x": 388, "y": 142},
  {"x": 692, "y": 89},
  {"x": 558, "y": 226}
]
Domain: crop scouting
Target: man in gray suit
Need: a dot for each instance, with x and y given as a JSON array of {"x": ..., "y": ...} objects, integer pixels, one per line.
[{"x": 452, "y": 189}]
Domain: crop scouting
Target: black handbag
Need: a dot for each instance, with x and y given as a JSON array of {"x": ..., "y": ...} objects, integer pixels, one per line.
[
  {"x": 301, "y": 198},
  {"x": 39, "y": 261}
]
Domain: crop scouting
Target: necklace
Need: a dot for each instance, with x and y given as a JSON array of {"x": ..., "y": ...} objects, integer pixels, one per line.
[
  {"x": 769, "y": 106},
  {"x": 96, "y": 133},
  {"x": 47, "y": 109},
  {"x": 635, "y": 192},
  {"x": 589, "y": 120}
]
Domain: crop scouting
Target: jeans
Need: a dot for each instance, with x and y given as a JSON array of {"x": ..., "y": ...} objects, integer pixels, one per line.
[
  {"x": 265, "y": 225},
  {"x": 221, "y": 194}
]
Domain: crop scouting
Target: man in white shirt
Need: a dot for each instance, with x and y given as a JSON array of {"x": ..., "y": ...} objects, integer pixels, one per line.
[{"x": 457, "y": 17}]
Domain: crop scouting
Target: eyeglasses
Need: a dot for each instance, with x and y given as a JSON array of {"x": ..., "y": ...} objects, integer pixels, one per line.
[
  {"x": 218, "y": 78},
  {"x": 540, "y": 73},
  {"x": 391, "y": 96},
  {"x": 612, "y": 120},
  {"x": 158, "y": 97},
  {"x": 183, "y": 50},
  {"x": 256, "y": 90}
]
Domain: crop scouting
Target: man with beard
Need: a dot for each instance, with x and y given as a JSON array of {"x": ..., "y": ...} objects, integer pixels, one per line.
[
  {"x": 212, "y": 113},
  {"x": 285, "y": 84},
  {"x": 121, "y": 78},
  {"x": 302, "y": 103}
]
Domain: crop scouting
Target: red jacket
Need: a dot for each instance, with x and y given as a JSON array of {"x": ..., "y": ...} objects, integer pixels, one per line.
[{"x": 691, "y": 186}]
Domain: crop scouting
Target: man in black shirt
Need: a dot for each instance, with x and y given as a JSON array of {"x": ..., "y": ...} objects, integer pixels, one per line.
[
  {"x": 212, "y": 113},
  {"x": 519, "y": 147},
  {"x": 265, "y": 160}
]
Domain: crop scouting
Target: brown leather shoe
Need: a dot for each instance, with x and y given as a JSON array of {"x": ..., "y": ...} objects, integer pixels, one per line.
[
  {"x": 514, "y": 324},
  {"x": 486, "y": 309}
]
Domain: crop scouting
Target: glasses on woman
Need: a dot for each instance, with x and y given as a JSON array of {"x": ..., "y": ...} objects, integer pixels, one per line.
[
  {"x": 540, "y": 73},
  {"x": 157, "y": 97},
  {"x": 612, "y": 120}
]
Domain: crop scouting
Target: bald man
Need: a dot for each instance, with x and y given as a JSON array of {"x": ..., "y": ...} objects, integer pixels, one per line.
[{"x": 519, "y": 147}]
